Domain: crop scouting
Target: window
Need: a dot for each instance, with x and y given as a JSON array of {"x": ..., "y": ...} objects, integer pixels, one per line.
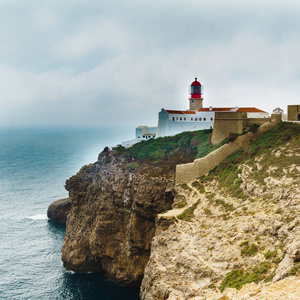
[
  {"x": 200, "y": 119},
  {"x": 191, "y": 119},
  {"x": 196, "y": 119},
  {"x": 176, "y": 118},
  {"x": 139, "y": 136},
  {"x": 180, "y": 119},
  {"x": 204, "y": 119},
  {"x": 184, "y": 118},
  {"x": 173, "y": 119},
  {"x": 211, "y": 119}
]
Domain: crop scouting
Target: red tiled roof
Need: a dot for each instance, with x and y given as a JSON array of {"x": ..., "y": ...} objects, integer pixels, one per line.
[
  {"x": 189, "y": 112},
  {"x": 176, "y": 112},
  {"x": 214, "y": 109},
  {"x": 180, "y": 112},
  {"x": 240, "y": 109},
  {"x": 250, "y": 109}
]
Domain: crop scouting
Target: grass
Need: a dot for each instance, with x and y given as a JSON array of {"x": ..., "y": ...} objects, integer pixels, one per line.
[
  {"x": 165, "y": 153},
  {"x": 185, "y": 187},
  {"x": 227, "y": 206},
  {"x": 239, "y": 277},
  {"x": 271, "y": 254},
  {"x": 180, "y": 201},
  {"x": 131, "y": 167},
  {"x": 248, "y": 249},
  {"x": 295, "y": 270},
  {"x": 188, "y": 214},
  {"x": 199, "y": 187}
]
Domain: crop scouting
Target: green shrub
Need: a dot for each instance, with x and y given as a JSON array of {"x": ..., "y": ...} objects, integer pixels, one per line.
[
  {"x": 227, "y": 206},
  {"x": 185, "y": 186},
  {"x": 207, "y": 211},
  {"x": 199, "y": 186},
  {"x": 237, "y": 278},
  {"x": 188, "y": 213},
  {"x": 248, "y": 250},
  {"x": 131, "y": 167},
  {"x": 270, "y": 254},
  {"x": 295, "y": 269}
]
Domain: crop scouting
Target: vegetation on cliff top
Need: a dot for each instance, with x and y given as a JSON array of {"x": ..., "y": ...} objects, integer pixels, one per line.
[{"x": 165, "y": 153}]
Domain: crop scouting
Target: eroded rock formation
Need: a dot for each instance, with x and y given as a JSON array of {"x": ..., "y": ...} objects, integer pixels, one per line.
[
  {"x": 112, "y": 219},
  {"x": 59, "y": 210}
]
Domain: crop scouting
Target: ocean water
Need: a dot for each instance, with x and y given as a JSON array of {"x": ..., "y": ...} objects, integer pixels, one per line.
[{"x": 34, "y": 164}]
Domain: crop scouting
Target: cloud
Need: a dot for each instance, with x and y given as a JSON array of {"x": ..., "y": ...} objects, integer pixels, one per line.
[
  {"x": 95, "y": 63},
  {"x": 107, "y": 35}
]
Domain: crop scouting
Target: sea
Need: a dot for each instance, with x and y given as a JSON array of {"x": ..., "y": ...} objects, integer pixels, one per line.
[{"x": 34, "y": 165}]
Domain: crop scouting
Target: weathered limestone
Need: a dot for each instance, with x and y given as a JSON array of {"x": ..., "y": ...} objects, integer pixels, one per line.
[
  {"x": 201, "y": 166},
  {"x": 112, "y": 219},
  {"x": 59, "y": 210}
]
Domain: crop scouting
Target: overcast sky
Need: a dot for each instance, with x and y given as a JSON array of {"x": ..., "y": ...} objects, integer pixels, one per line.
[{"x": 96, "y": 62}]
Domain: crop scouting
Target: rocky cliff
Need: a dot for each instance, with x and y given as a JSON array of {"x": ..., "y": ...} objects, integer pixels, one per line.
[
  {"x": 239, "y": 224},
  {"x": 112, "y": 218}
]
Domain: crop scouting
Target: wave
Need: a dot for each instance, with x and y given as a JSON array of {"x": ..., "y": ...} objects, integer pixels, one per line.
[{"x": 38, "y": 217}]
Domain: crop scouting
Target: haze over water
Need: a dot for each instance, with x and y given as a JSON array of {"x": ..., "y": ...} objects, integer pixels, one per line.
[{"x": 34, "y": 164}]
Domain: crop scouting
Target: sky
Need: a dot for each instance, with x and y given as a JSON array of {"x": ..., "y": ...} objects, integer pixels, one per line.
[{"x": 102, "y": 63}]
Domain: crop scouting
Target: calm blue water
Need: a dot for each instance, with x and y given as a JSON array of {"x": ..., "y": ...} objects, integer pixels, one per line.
[{"x": 34, "y": 164}]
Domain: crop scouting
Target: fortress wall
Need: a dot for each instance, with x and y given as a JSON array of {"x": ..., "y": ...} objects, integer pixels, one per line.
[
  {"x": 232, "y": 122},
  {"x": 226, "y": 123},
  {"x": 192, "y": 171},
  {"x": 293, "y": 112},
  {"x": 259, "y": 121}
]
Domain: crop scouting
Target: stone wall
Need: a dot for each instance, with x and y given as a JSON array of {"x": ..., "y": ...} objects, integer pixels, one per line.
[
  {"x": 293, "y": 112},
  {"x": 191, "y": 171},
  {"x": 226, "y": 123},
  {"x": 232, "y": 122}
]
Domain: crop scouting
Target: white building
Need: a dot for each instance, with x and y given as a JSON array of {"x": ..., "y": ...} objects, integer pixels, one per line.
[{"x": 171, "y": 122}]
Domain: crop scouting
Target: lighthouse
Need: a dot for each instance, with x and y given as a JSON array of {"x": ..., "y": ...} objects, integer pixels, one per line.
[{"x": 196, "y": 91}]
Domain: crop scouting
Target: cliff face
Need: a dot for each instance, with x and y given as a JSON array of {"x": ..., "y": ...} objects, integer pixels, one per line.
[
  {"x": 112, "y": 218},
  {"x": 240, "y": 224}
]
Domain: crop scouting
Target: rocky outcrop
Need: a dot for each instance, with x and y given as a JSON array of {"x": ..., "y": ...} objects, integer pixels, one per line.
[
  {"x": 59, "y": 210},
  {"x": 112, "y": 219}
]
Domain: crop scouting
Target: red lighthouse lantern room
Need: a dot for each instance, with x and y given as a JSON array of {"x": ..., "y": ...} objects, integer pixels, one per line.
[{"x": 196, "y": 90}]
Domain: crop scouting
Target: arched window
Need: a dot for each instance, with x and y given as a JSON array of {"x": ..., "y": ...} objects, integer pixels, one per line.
[
  {"x": 211, "y": 119},
  {"x": 196, "y": 119},
  {"x": 204, "y": 119},
  {"x": 173, "y": 119},
  {"x": 180, "y": 119},
  {"x": 200, "y": 119},
  {"x": 184, "y": 118}
]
